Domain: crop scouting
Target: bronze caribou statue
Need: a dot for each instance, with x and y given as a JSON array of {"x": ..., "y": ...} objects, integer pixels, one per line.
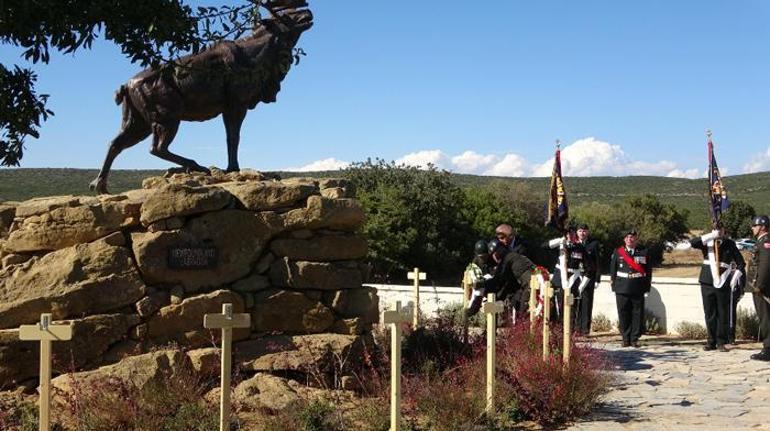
[{"x": 228, "y": 78}]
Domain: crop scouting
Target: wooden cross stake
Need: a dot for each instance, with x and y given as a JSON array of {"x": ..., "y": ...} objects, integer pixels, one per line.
[
  {"x": 546, "y": 320},
  {"x": 534, "y": 286},
  {"x": 395, "y": 319},
  {"x": 46, "y": 332},
  {"x": 226, "y": 321},
  {"x": 491, "y": 309},
  {"x": 568, "y": 299},
  {"x": 416, "y": 275}
]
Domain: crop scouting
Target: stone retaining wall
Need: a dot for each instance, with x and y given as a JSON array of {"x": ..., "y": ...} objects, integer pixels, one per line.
[{"x": 139, "y": 270}]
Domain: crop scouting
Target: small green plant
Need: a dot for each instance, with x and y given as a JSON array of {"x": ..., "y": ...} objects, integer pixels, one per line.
[
  {"x": 746, "y": 325},
  {"x": 691, "y": 331},
  {"x": 601, "y": 323},
  {"x": 318, "y": 415},
  {"x": 456, "y": 313},
  {"x": 652, "y": 324},
  {"x": 19, "y": 415}
]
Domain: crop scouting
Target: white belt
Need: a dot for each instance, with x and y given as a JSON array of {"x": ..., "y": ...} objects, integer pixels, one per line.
[
  {"x": 629, "y": 275},
  {"x": 721, "y": 264},
  {"x": 569, "y": 270}
]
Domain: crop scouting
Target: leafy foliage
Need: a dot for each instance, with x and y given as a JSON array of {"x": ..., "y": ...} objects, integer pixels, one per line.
[
  {"x": 656, "y": 222},
  {"x": 148, "y": 32},
  {"x": 737, "y": 219},
  {"x": 21, "y": 112},
  {"x": 414, "y": 217}
]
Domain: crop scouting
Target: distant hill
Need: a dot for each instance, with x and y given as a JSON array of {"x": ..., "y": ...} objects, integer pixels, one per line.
[{"x": 22, "y": 184}]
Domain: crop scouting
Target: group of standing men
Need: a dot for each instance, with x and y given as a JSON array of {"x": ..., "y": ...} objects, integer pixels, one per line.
[{"x": 504, "y": 266}]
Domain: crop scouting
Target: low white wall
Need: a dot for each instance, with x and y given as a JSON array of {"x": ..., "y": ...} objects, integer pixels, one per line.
[{"x": 672, "y": 300}]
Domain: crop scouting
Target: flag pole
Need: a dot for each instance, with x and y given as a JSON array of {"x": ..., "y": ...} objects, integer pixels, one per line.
[
  {"x": 715, "y": 222},
  {"x": 565, "y": 287}
]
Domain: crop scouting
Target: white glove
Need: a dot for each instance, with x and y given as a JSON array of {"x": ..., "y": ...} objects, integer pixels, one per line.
[
  {"x": 711, "y": 236},
  {"x": 736, "y": 280},
  {"x": 556, "y": 242}
]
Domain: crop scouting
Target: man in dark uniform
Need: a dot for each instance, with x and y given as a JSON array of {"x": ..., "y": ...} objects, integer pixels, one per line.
[
  {"x": 510, "y": 275},
  {"x": 716, "y": 294},
  {"x": 759, "y": 282},
  {"x": 591, "y": 272},
  {"x": 631, "y": 278},
  {"x": 515, "y": 243},
  {"x": 576, "y": 256}
]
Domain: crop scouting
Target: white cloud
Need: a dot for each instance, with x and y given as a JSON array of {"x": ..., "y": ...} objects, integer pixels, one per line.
[
  {"x": 330, "y": 164},
  {"x": 512, "y": 165},
  {"x": 687, "y": 173},
  {"x": 592, "y": 157},
  {"x": 760, "y": 162},
  {"x": 584, "y": 157},
  {"x": 471, "y": 162},
  {"x": 421, "y": 159}
]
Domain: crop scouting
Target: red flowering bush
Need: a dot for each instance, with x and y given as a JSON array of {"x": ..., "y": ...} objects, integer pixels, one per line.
[{"x": 546, "y": 391}]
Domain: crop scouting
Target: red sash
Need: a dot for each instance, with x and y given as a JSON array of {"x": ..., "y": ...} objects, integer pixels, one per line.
[{"x": 630, "y": 261}]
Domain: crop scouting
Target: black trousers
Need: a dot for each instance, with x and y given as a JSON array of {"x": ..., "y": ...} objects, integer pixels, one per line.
[
  {"x": 630, "y": 315},
  {"x": 584, "y": 309},
  {"x": 716, "y": 309},
  {"x": 763, "y": 312}
]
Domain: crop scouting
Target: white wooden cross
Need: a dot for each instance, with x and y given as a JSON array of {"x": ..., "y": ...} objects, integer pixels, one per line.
[
  {"x": 395, "y": 319},
  {"x": 491, "y": 309},
  {"x": 46, "y": 332},
  {"x": 416, "y": 275},
  {"x": 226, "y": 321},
  {"x": 534, "y": 286},
  {"x": 546, "y": 320},
  {"x": 568, "y": 298}
]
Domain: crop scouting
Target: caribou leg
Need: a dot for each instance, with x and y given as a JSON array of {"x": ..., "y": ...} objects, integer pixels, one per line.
[
  {"x": 233, "y": 119},
  {"x": 163, "y": 134},
  {"x": 132, "y": 132}
]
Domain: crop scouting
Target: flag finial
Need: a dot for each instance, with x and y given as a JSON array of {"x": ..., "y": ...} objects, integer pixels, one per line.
[
  {"x": 708, "y": 133},
  {"x": 558, "y": 144}
]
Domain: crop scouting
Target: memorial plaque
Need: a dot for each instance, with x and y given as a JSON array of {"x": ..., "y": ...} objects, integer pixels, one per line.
[{"x": 192, "y": 257}]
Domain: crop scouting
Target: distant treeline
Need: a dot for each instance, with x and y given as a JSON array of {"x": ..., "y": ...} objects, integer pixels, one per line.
[{"x": 686, "y": 194}]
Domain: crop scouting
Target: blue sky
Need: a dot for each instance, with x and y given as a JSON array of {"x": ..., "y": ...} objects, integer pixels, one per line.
[{"x": 628, "y": 87}]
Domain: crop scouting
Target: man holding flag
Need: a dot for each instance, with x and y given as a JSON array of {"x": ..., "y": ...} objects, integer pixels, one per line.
[
  {"x": 723, "y": 266},
  {"x": 556, "y": 217}
]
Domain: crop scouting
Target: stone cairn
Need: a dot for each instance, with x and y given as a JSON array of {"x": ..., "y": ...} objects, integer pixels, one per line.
[{"x": 137, "y": 271}]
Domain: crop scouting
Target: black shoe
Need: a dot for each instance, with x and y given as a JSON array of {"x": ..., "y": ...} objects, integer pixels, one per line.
[
  {"x": 636, "y": 344},
  {"x": 764, "y": 355},
  {"x": 626, "y": 344},
  {"x": 722, "y": 348},
  {"x": 709, "y": 347}
]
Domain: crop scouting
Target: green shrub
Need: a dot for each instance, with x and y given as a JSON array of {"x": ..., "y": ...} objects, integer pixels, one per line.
[
  {"x": 691, "y": 331},
  {"x": 601, "y": 323},
  {"x": 746, "y": 325},
  {"x": 652, "y": 324},
  {"x": 319, "y": 415}
]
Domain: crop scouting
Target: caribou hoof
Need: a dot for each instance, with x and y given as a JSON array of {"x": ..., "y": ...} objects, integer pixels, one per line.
[
  {"x": 99, "y": 186},
  {"x": 199, "y": 168}
]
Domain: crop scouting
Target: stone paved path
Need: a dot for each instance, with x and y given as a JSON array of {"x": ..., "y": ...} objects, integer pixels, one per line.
[{"x": 680, "y": 387}]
